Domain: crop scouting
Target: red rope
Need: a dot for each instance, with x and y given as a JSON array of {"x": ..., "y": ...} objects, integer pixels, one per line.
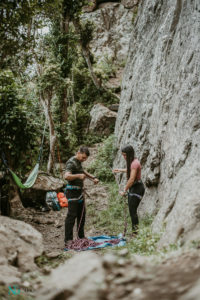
[
  {"x": 81, "y": 215},
  {"x": 84, "y": 244}
]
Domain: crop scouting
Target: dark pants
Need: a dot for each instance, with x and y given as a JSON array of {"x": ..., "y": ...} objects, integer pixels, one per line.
[
  {"x": 76, "y": 210},
  {"x": 134, "y": 201}
]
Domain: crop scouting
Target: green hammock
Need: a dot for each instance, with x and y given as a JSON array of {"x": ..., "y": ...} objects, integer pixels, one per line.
[
  {"x": 34, "y": 173},
  {"x": 30, "y": 180}
]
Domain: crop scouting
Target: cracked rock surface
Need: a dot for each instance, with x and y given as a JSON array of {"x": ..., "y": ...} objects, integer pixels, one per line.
[{"x": 159, "y": 114}]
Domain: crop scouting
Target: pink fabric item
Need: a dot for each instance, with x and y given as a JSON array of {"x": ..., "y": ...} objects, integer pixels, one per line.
[{"x": 136, "y": 165}]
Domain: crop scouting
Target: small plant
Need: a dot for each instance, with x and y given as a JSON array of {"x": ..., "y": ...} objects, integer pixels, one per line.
[
  {"x": 145, "y": 243},
  {"x": 135, "y": 11},
  {"x": 91, "y": 138},
  {"x": 102, "y": 166},
  {"x": 107, "y": 66},
  {"x": 112, "y": 221},
  {"x": 43, "y": 260}
]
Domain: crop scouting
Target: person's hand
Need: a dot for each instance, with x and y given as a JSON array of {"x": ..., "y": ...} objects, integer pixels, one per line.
[
  {"x": 95, "y": 180},
  {"x": 82, "y": 176},
  {"x": 116, "y": 171},
  {"x": 122, "y": 193}
]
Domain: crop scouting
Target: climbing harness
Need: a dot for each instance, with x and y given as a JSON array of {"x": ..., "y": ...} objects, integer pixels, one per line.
[
  {"x": 33, "y": 175},
  {"x": 136, "y": 195},
  {"x": 72, "y": 187}
]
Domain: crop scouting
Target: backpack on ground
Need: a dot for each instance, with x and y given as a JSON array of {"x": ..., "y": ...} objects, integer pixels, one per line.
[
  {"x": 52, "y": 200},
  {"x": 62, "y": 200}
]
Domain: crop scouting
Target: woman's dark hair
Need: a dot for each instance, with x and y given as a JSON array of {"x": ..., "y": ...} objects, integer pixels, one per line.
[{"x": 130, "y": 155}]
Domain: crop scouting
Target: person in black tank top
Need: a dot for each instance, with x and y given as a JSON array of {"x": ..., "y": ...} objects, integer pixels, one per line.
[{"x": 75, "y": 176}]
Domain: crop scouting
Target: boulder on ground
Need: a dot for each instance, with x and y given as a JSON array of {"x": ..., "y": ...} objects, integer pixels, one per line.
[
  {"x": 114, "y": 107},
  {"x": 81, "y": 277},
  {"x": 35, "y": 196},
  {"x": 102, "y": 120},
  {"x": 20, "y": 244}
]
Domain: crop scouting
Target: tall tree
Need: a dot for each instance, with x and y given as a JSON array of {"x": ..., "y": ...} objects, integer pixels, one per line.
[{"x": 19, "y": 18}]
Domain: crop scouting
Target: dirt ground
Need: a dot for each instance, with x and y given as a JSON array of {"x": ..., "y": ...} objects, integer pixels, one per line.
[{"x": 51, "y": 223}]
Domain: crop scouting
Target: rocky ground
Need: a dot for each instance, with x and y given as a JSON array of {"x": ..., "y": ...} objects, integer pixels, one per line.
[
  {"x": 121, "y": 277},
  {"x": 106, "y": 274}
]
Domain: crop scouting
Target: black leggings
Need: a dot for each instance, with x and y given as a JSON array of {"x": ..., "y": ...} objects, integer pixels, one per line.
[
  {"x": 75, "y": 210},
  {"x": 135, "y": 195}
]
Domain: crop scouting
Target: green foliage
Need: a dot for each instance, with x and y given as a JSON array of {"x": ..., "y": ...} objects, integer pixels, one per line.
[
  {"x": 64, "y": 77},
  {"x": 77, "y": 121},
  {"x": 111, "y": 221},
  {"x": 18, "y": 18},
  {"x": 73, "y": 7},
  {"x": 102, "y": 166},
  {"x": 86, "y": 32},
  {"x": 63, "y": 46},
  {"x": 145, "y": 243},
  {"x": 135, "y": 11},
  {"x": 107, "y": 68},
  {"x": 17, "y": 128},
  {"x": 84, "y": 89},
  {"x": 50, "y": 79},
  {"x": 43, "y": 260},
  {"x": 90, "y": 138}
]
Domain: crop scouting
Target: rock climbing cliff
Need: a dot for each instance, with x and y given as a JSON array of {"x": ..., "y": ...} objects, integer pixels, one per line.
[
  {"x": 159, "y": 113},
  {"x": 112, "y": 29}
]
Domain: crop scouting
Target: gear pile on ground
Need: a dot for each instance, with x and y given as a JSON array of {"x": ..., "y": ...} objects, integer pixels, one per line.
[{"x": 84, "y": 244}]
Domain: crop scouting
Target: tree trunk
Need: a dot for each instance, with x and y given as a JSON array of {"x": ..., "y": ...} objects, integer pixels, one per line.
[
  {"x": 52, "y": 139},
  {"x": 86, "y": 55},
  {"x": 64, "y": 107},
  {"x": 64, "y": 27},
  {"x": 46, "y": 103}
]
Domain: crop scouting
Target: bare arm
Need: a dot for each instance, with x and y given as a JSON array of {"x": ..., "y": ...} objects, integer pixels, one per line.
[
  {"x": 131, "y": 180},
  {"x": 119, "y": 171},
  {"x": 93, "y": 178},
  {"x": 89, "y": 175},
  {"x": 69, "y": 176}
]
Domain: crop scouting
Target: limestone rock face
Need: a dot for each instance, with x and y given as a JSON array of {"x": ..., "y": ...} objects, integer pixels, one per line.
[
  {"x": 20, "y": 244},
  {"x": 159, "y": 113},
  {"x": 102, "y": 119},
  {"x": 129, "y": 3},
  {"x": 113, "y": 25},
  {"x": 82, "y": 277}
]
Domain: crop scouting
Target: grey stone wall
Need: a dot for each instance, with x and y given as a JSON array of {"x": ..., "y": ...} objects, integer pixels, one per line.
[
  {"x": 159, "y": 113},
  {"x": 113, "y": 26}
]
